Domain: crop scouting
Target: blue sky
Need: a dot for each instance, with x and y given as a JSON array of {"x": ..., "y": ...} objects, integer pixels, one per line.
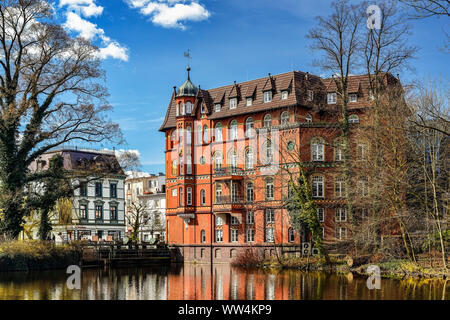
[{"x": 143, "y": 43}]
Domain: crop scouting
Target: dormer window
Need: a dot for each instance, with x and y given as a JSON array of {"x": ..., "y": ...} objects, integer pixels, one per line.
[
  {"x": 217, "y": 107},
  {"x": 284, "y": 95},
  {"x": 249, "y": 102},
  {"x": 353, "y": 97},
  {"x": 332, "y": 98},
  {"x": 188, "y": 107},
  {"x": 267, "y": 96},
  {"x": 233, "y": 103},
  {"x": 310, "y": 95},
  {"x": 203, "y": 110}
]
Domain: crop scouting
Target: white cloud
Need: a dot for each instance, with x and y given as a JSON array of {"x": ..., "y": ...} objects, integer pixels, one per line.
[
  {"x": 114, "y": 50},
  {"x": 87, "y": 8},
  {"x": 76, "y": 12},
  {"x": 171, "y": 13}
]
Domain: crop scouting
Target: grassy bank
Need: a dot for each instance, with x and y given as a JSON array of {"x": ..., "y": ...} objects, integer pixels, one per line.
[
  {"x": 36, "y": 255},
  {"x": 338, "y": 264}
]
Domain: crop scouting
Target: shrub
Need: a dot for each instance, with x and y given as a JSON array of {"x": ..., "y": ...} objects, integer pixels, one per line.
[{"x": 252, "y": 257}]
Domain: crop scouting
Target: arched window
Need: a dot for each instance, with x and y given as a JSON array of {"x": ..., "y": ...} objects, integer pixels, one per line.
[
  {"x": 318, "y": 149},
  {"x": 202, "y": 236},
  {"x": 269, "y": 189},
  {"x": 250, "y": 196},
  {"x": 188, "y": 107},
  {"x": 249, "y": 162},
  {"x": 205, "y": 134},
  {"x": 249, "y": 127},
  {"x": 284, "y": 118},
  {"x": 178, "y": 109},
  {"x": 202, "y": 197},
  {"x": 232, "y": 158},
  {"x": 353, "y": 119},
  {"x": 268, "y": 152},
  {"x": 291, "y": 235},
  {"x": 174, "y": 167},
  {"x": 218, "y": 133},
  {"x": 188, "y": 135},
  {"x": 233, "y": 130},
  {"x": 217, "y": 160},
  {"x": 183, "y": 109},
  {"x": 199, "y": 135},
  {"x": 317, "y": 187},
  {"x": 267, "y": 121},
  {"x": 308, "y": 118}
]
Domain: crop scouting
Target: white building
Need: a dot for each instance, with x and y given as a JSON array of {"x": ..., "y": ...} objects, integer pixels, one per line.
[
  {"x": 98, "y": 206},
  {"x": 148, "y": 191}
]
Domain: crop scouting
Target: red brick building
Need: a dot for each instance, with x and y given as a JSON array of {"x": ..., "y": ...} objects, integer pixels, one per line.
[{"x": 224, "y": 150}]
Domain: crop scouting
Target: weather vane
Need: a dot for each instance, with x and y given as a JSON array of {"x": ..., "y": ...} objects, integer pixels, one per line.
[{"x": 187, "y": 55}]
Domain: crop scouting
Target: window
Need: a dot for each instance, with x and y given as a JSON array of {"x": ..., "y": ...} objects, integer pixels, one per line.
[
  {"x": 291, "y": 235},
  {"x": 203, "y": 109},
  {"x": 270, "y": 216},
  {"x": 174, "y": 192},
  {"x": 318, "y": 187},
  {"x": 181, "y": 165},
  {"x": 332, "y": 98},
  {"x": 183, "y": 109},
  {"x": 188, "y": 107},
  {"x": 219, "y": 235},
  {"x": 340, "y": 187},
  {"x": 249, "y": 159},
  {"x": 83, "y": 189},
  {"x": 234, "y": 221},
  {"x": 291, "y": 145},
  {"x": 318, "y": 147},
  {"x": 250, "y": 217},
  {"x": 83, "y": 211},
  {"x": 113, "y": 213},
  {"x": 188, "y": 164},
  {"x": 321, "y": 214},
  {"x": 202, "y": 197},
  {"x": 250, "y": 192},
  {"x": 202, "y": 236},
  {"x": 268, "y": 159},
  {"x": 218, "y": 134},
  {"x": 234, "y": 235},
  {"x": 284, "y": 95},
  {"x": 217, "y": 107},
  {"x": 218, "y": 193},
  {"x": 178, "y": 109},
  {"x": 233, "y": 130},
  {"x": 269, "y": 234},
  {"x": 99, "y": 212},
  {"x": 232, "y": 158},
  {"x": 267, "y": 121},
  {"x": 113, "y": 190},
  {"x": 269, "y": 189},
  {"x": 310, "y": 94},
  {"x": 189, "y": 196},
  {"x": 353, "y": 97},
  {"x": 267, "y": 96},
  {"x": 233, "y": 103},
  {"x": 249, "y": 127},
  {"x": 308, "y": 118},
  {"x": 341, "y": 233},
  {"x": 363, "y": 187},
  {"x": 98, "y": 189},
  {"x": 219, "y": 221},
  {"x": 341, "y": 215},
  {"x": 338, "y": 151},
  {"x": 217, "y": 160},
  {"x": 202, "y": 160},
  {"x": 284, "y": 118},
  {"x": 250, "y": 235},
  {"x": 188, "y": 135},
  {"x": 174, "y": 167},
  {"x": 353, "y": 119},
  {"x": 362, "y": 151},
  {"x": 205, "y": 134},
  {"x": 199, "y": 135},
  {"x": 249, "y": 102},
  {"x": 180, "y": 198}
]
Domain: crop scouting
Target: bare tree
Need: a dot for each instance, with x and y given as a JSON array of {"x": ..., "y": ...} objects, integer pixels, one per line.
[
  {"x": 137, "y": 216},
  {"x": 50, "y": 94},
  {"x": 428, "y": 8}
]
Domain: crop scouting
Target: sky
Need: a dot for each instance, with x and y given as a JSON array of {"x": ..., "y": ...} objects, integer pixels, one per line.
[{"x": 142, "y": 45}]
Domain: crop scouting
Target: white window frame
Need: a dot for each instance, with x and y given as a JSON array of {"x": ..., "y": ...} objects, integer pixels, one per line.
[
  {"x": 269, "y": 189},
  {"x": 174, "y": 192},
  {"x": 308, "y": 118},
  {"x": 219, "y": 235},
  {"x": 233, "y": 103},
  {"x": 218, "y": 132},
  {"x": 318, "y": 151},
  {"x": 270, "y": 234},
  {"x": 250, "y": 235},
  {"x": 284, "y": 95},
  {"x": 189, "y": 196},
  {"x": 268, "y": 96},
  {"x": 321, "y": 214},
  {"x": 267, "y": 121},
  {"x": 233, "y": 130},
  {"x": 353, "y": 118},
  {"x": 310, "y": 94},
  {"x": 340, "y": 214},
  {"x": 318, "y": 181},
  {"x": 217, "y": 107},
  {"x": 250, "y": 190},
  {"x": 353, "y": 97},
  {"x": 339, "y": 188},
  {"x": 234, "y": 235},
  {"x": 332, "y": 98},
  {"x": 250, "y": 218},
  {"x": 269, "y": 216},
  {"x": 249, "y": 159},
  {"x": 249, "y": 102},
  {"x": 249, "y": 127},
  {"x": 284, "y": 118},
  {"x": 203, "y": 197}
]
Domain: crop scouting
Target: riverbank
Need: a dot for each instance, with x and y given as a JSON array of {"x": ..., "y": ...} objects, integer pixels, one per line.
[
  {"x": 396, "y": 269},
  {"x": 37, "y": 255}
]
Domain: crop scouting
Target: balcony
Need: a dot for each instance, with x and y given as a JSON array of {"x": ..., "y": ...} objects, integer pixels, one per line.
[
  {"x": 228, "y": 173},
  {"x": 228, "y": 203}
]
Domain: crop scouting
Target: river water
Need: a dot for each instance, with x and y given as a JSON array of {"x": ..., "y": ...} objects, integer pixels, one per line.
[{"x": 205, "y": 282}]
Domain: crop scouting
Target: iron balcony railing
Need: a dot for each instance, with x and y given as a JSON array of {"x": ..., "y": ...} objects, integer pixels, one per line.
[
  {"x": 229, "y": 200},
  {"x": 228, "y": 171}
]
